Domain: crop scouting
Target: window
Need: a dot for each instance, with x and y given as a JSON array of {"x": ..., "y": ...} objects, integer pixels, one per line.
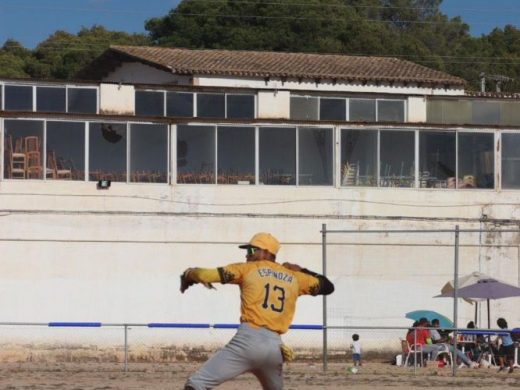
[
  {"x": 397, "y": 157},
  {"x": 18, "y": 98},
  {"x": 107, "y": 152},
  {"x": 304, "y": 108},
  {"x": 148, "y": 153},
  {"x": 485, "y": 113},
  {"x": 50, "y": 99},
  {"x": 211, "y": 105},
  {"x": 23, "y": 145},
  {"x": 333, "y": 109},
  {"x": 149, "y": 103},
  {"x": 315, "y": 156},
  {"x": 362, "y": 110},
  {"x": 437, "y": 159},
  {"x": 240, "y": 106},
  {"x": 359, "y": 158},
  {"x": 179, "y": 104},
  {"x": 476, "y": 160},
  {"x": 390, "y": 111},
  {"x": 236, "y": 155},
  {"x": 510, "y": 161},
  {"x": 277, "y": 155},
  {"x": 196, "y": 154},
  {"x": 65, "y": 151},
  {"x": 82, "y": 100}
]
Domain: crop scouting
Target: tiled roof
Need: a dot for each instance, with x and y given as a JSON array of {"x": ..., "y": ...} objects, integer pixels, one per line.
[
  {"x": 497, "y": 95},
  {"x": 272, "y": 64}
]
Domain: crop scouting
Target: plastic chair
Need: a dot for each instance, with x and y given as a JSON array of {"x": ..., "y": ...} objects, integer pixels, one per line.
[{"x": 414, "y": 350}]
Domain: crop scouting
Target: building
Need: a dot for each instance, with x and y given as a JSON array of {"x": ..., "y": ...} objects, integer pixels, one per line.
[{"x": 203, "y": 148}]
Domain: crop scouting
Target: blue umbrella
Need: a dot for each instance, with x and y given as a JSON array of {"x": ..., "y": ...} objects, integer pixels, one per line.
[{"x": 444, "y": 322}]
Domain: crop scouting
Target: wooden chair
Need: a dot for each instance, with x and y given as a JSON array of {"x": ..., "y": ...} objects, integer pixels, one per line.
[
  {"x": 17, "y": 159},
  {"x": 33, "y": 155},
  {"x": 56, "y": 168}
]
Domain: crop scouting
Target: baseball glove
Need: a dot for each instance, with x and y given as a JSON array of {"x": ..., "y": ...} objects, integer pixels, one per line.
[
  {"x": 287, "y": 353},
  {"x": 186, "y": 282}
]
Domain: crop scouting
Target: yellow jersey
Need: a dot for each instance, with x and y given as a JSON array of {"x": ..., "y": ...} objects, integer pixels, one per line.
[{"x": 268, "y": 292}]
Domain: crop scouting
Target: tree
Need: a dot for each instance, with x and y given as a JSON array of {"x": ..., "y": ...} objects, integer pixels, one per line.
[{"x": 62, "y": 55}]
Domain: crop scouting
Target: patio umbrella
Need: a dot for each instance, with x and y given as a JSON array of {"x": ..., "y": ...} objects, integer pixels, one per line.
[
  {"x": 485, "y": 288},
  {"x": 444, "y": 321}
]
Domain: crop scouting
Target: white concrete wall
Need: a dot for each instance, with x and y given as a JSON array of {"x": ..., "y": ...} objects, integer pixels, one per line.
[
  {"x": 116, "y": 99},
  {"x": 70, "y": 252},
  {"x": 416, "y": 109},
  {"x": 137, "y": 73},
  {"x": 274, "y": 104},
  {"x": 325, "y": 86}
]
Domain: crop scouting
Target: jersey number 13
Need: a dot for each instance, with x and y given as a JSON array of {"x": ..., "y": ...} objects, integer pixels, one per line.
[{"x": 280, "y": 298}]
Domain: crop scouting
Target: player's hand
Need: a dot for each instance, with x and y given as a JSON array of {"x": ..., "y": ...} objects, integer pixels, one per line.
[
  {"x": 186, "y": 282},
  {"x": 292, "y": 267},
  {"x": 287, "y": 353}
]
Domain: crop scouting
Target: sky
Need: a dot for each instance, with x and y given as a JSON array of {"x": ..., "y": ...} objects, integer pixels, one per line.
[{"x": 32, "y": 21}]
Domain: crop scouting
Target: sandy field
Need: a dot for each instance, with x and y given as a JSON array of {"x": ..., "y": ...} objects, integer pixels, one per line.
[{"x": 297, "y": 376}]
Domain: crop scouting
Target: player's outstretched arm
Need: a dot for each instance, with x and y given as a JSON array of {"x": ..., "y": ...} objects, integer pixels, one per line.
[
  {"x": 205, "y": 276},
  {"x": 326, "y": 287}
]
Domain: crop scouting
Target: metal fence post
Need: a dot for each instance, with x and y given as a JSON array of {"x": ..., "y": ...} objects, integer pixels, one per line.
[
  {"x": 455, "y": 299},
  {"x": 324, "y": 267},
  {"x": 126, "y": 348},
  {"x": 415, "y": 351}
]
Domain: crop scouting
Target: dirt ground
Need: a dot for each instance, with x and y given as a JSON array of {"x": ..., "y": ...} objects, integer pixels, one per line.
[{"x": 297, "y": 376}]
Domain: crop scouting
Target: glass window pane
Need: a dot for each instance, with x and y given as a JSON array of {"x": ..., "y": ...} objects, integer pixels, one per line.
[
  {"x": 359, "y": 158},
  {"x": 435, "y": 111},
  {"x": 148, "y": 153},
  {"x": 390, "y": 111},
  {"x": 397, "y": 150},
  {"x": 277, "y": 155},
  {"x": 510, "y": 160},
  {"x": 211, "y": 105},
  {"x": 149, "y": 103},
  {"x": 240, "y": 106},
  {"x": 457, "y": 112},
  {"x": 485, "y": 113},
  {"x": 107, "y": 152},
  {"x": 304, "y": 108},
  {"x": 437, "y": 160},
  {"x": 196, "y": 154},
  {"x": 236, "y": 155},
  {"x": 333, "y": 109},
  {"x": 18, "y": 98},
  {"x": 476, "y": 160},
  {"x": 50, "y": 99},
  {"x": 179, "y": 104},
  {"x": 315, "y": 156},
  {"x": 510, "y": 113},
  {"x": 65, "y": 151},
  {"x": 362, "y": 110},
  {"x": 23, "y": 149},
  {"x": 82, "y": 100}
]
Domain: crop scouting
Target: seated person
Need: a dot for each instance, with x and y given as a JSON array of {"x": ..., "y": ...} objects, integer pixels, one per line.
[
  {"x": 419, "y": 336},
  {"x": 471, "y": 343},
  {"x": 444, "y": 341},
  {"x": 506, "y": 350}
]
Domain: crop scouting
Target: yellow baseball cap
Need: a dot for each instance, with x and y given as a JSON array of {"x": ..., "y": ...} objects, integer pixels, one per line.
[{"x": 263, "y": 241}]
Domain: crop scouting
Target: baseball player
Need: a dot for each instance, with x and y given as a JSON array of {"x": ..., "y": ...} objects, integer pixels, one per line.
[{"x": 268, "y": 293}]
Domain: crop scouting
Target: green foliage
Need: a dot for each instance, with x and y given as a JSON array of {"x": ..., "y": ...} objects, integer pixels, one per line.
[{"x": 62, "y": 54}]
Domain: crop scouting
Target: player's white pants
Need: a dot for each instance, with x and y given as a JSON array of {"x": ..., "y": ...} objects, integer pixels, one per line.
[{"x": 250, "y": 350}]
